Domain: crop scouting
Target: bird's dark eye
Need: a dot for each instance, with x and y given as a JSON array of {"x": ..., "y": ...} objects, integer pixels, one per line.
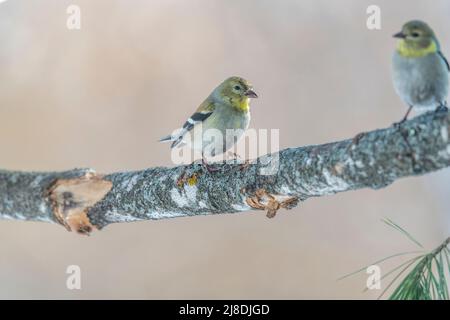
[
  {"x": 415, "y": 34},
  {"x": 237, "y": 88}
]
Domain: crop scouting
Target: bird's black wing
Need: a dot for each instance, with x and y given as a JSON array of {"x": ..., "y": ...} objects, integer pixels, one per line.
[
  {"x": 201, "y": 114},
  {"x": 196, "y": 118},
  {"x": 445, "y": 60}
]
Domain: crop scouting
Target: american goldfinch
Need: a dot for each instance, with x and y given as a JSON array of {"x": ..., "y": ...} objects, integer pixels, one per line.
[
  {"x": 420, "y": 70},
  {"x": 226, "y": 109}
]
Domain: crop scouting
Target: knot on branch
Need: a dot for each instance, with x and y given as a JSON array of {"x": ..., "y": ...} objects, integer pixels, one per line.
[{"x": 71, "y": 199}]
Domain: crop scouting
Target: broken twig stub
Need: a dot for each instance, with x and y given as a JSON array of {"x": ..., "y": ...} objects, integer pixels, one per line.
[{"x": 72, "y": 198}]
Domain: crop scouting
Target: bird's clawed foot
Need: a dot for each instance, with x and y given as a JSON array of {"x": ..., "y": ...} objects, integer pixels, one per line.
[
  {"x": 397, "y": 125},
  {"x": 234, "y": 155},
  {"x": 237, "y": 159},
  {"x": 358, "y": 137},
  {"x": 441, "y": 110},
  {"x": 208, "y": 167},
  {"x": 244, "y": 165}
]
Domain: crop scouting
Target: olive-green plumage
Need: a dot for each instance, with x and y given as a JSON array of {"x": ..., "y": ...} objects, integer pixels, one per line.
[
  {"x": 226, "y": 109},
  {"x": 420, "y": 70}
]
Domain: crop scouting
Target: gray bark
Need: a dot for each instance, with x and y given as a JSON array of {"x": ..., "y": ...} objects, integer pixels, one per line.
[{"x": 370, "y": 160}]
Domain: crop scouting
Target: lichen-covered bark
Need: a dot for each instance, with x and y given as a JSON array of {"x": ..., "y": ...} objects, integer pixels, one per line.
[
  {"x": 370, "y": 160},
  {"x": 24, "y": 195}
]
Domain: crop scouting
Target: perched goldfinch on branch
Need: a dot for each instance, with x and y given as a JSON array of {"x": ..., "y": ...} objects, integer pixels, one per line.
[
  {"x": 227, "y": 108},
  {"x": 420, "y": 70}
]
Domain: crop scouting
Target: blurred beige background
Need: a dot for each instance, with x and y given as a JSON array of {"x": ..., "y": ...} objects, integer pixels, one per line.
[{"x": 101, "y": 97}]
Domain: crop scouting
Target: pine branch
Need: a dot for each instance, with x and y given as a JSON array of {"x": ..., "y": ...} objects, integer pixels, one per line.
[
  {"x": 82, "y": 200},
  {"x": 428, "y": 278}
]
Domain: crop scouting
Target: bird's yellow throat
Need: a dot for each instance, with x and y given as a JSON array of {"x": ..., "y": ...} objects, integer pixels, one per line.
[
  {"x": 408, "y": 51},
  {"x": 242, "y": 104}
]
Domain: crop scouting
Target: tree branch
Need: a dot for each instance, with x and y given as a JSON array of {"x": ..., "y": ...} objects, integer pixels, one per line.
[{"x": 82, "y": 200}]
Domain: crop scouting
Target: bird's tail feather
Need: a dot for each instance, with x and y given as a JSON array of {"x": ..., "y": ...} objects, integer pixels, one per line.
[
  {"x": 176, "y": 140},
  {"x": 166, "y": 138}
]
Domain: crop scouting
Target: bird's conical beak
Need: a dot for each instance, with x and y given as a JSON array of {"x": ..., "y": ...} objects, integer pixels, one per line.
[
  {"x": 251, "y": 94},
  {"x": 400, "y": 35}
]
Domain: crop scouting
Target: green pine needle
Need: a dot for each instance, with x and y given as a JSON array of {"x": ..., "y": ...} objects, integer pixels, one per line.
[
  {"x": 428, "y": 274},
  {"x": 392, "y": 224},
  {"x": 428, "y": 280},
  {"x": 377, "y": 262}
]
